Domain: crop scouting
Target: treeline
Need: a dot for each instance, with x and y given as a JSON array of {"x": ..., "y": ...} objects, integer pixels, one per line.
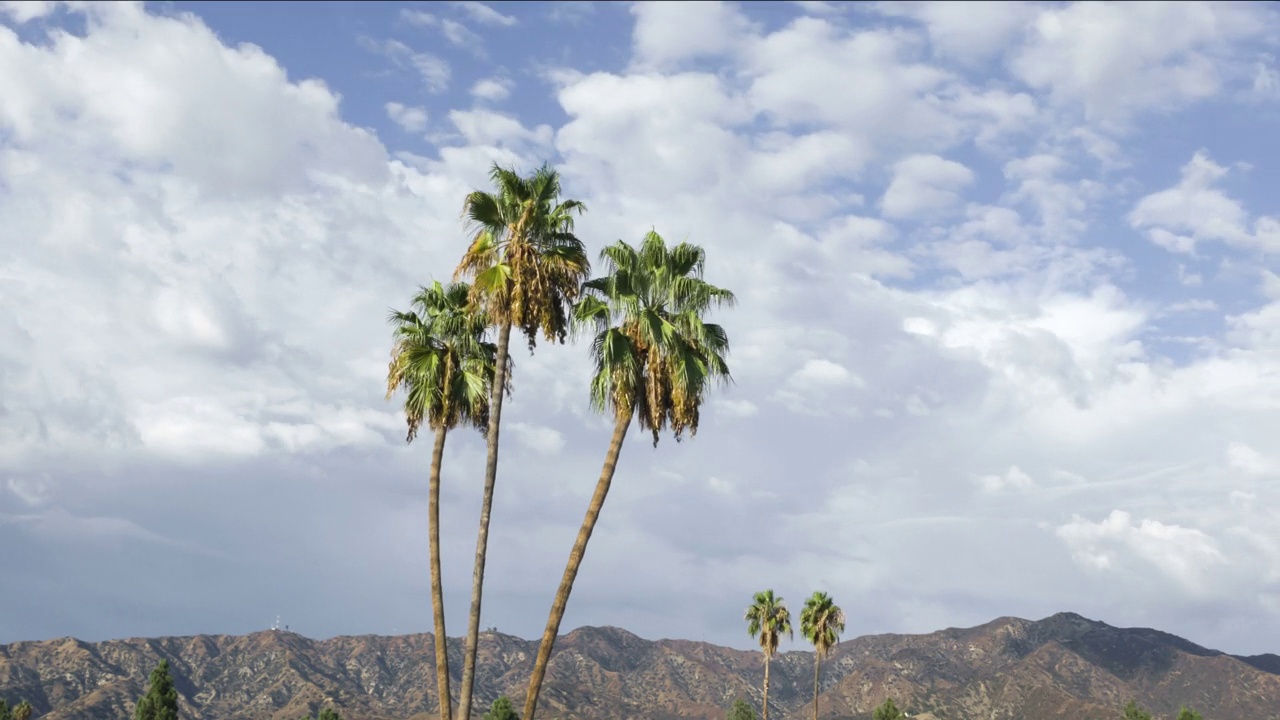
[
  {"x": 888, "y": 710},
  {"x": 821, "y": 621}
]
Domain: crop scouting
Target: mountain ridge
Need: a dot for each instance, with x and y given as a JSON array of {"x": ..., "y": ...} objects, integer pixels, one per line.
[{"x": 1063, "y": 666}]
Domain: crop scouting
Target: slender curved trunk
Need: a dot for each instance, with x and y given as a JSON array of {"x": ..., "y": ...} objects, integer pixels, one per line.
[
  {"x": 766, "y": 687},
  {"x": 817, "y": 663},
  {"x": 571, "y": 569},
  {"x": 437, "y": 589},
  {"x": 482, "y": 537}
]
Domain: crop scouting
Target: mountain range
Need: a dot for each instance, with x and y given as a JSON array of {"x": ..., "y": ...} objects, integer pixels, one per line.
[{"x": 1059, "y": 668}]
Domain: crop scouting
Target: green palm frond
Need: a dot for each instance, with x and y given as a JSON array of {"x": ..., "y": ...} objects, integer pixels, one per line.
[
  {"x": 768, "y": 619},
  {"x": 525, "y": 263},
  {"x": 440, "y": 360},
  {"x": 657, "y": 297},
  {"x": 821, "y": 622}
]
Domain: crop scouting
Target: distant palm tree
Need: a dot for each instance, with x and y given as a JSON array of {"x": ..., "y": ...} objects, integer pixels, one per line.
[
  {"x": 821, "y": 622},
  {"x": 769, "y": 619},
  {"x": 445, "y": 369},
  {"x": 655, "y": 357},
  {"x": 526, "y": 267}
]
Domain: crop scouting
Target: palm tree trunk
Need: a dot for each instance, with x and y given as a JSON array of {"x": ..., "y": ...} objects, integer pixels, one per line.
[
  {"x": 817, "y": 663},
  {"x": 766, "y": 687},
  {"x": 482, "y": 537},
  {"x": 571, "y": 569},
  {"x": 437, "y": 589}
]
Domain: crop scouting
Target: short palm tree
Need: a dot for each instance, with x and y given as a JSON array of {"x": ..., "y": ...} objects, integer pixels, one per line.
[
  {"x": 446, "y": 369},
  {"x": 526, "y": 267},
  {"x": 769, "y": 619},
  {"x": 821, "y": 622},
  {"x": 655, "y": 357}
]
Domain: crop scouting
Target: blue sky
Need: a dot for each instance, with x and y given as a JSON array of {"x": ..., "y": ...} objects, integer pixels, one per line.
[{"x": 1006, "y": 341}]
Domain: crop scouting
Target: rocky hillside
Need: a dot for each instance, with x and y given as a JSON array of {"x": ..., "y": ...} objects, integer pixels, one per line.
[{"x": 1063, "y": 667}]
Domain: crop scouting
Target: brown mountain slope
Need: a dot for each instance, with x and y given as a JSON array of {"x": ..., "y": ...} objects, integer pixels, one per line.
[{"x": 1063, "y": 667}]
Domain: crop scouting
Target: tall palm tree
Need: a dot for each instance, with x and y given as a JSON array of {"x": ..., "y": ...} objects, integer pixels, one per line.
[
  {"x": 654, "y": 356},
  {"x": 527, "y": 268},
  {"x": 768, "y": 618},
  {"x": 821, "y": 622},
  {"x": 441, "y": 362}
]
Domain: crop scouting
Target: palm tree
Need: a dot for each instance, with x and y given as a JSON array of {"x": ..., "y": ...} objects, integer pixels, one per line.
[
  {"x": 527, "y": 268},
  {"x": 768, "y": 618},
  {"x": 654, "y": 356},
  {"x": 821, "y": 622},
  {"x": 446, "y": 370}
]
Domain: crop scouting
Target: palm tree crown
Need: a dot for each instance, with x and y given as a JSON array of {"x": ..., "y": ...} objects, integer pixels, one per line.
[
  {"x": 440, "y": 360},
  {"x": 654, "y": 353},
  {"x": 768, "y": 618},
  {"x": 821, "y": 622},
  {"x": 526, "y": 262}
]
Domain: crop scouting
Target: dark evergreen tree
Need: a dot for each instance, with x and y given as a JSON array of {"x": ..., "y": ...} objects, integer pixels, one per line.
[
  {"x": 502, "y": 709},
  {"x": 161, "y": 700},
  {"x": 1187, "y": 713},
  {"x": 741, "y": 711},
  {"x": 5, "y": 713},
  {"x": 887, "y": 711},
  {"x": 325, "y": 714},
  {"x": 1133, "y": 712}
]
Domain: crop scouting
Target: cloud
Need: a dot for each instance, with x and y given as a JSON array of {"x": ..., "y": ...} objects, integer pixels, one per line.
[
  {"x": 790, "y": 72},
  {"x": 483, "y": 127},
  {"x": 1116, "y": 60},
  {"x": 1013, "y": 479},
  {"x": 1184, "y": 555},
  {"x": 1245, "y": 459},
  {"x": 412, "y": 119},
  {"x": 971, "y": 32},
  {"x": 455, "y": 32},
  {"x": 494, "y": 89},
  {"x": 1203, "y": 212},
  {"x": 540, "y": 440},
  {"x": 816, "y": 388},
  {"x": 24, "y": 11},
  {"x": 433, "y": 70},
  {"x": 924, "y": 185},
  {"x": 32, "y": 490},
  {"x": 571, "y": 12},
  {"x": 670, "y": 33},
  {"x": 817, "y": 7},
  {"x": 485, "y": 15},
  {"x": 1266, "y": 80}
]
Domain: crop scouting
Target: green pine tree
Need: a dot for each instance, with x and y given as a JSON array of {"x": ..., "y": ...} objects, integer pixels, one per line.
[
  {"x": 741, "y": 711},
  {"x": 1187, "y": 713},
  {"x": 24, "y": 710},
  {"x": 161, "y": 700},
  {"x": 887, "y": 711},
  {"x": 1133, "y": 712},
  {"x": 5, "y": 713},
  {"x": 325, "y": 714},
  {"x": 502, "y": 709}
]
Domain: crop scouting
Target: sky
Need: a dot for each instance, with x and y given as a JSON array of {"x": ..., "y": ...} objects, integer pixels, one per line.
[{"x": 1007, "y": 339}]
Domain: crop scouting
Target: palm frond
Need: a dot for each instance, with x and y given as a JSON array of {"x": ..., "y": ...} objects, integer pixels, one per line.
[{"x": 440, "y": 359}]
